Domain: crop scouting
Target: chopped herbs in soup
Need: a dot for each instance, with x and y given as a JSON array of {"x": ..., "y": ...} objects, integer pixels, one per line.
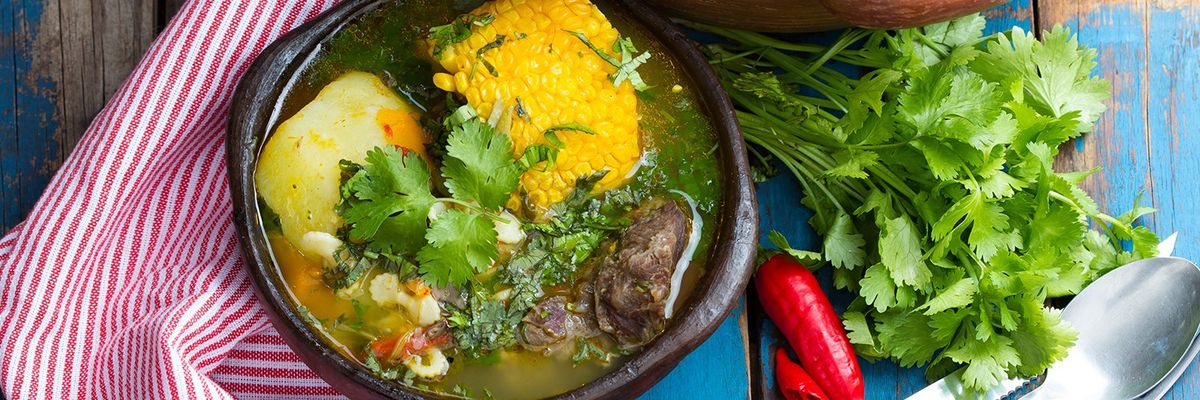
[{"x": 505, "y": 200}]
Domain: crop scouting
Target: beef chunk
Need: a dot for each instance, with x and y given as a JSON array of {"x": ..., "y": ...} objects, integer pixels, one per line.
[
  {"x": 552, "y": 321},
  {"x": 633, "y": 284},
  {"x": 546, "y": 322}
]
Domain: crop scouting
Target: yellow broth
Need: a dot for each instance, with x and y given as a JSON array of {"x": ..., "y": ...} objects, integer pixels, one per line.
[{"x": 676, "y": 138}]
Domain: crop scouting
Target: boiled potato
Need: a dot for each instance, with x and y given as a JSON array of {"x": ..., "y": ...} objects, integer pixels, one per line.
[{"x": 298, "y": 174}]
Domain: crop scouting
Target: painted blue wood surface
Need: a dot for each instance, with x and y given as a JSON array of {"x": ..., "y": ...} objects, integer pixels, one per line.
[
  {"x": 33, "y": 152},
  {"x": 1172, "y": 114},
  {"x": 716, "y": 370},
  {"x": 9, "y": 207}
]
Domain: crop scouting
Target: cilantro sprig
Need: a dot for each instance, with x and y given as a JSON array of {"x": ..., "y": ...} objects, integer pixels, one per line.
[
  {"x": 386, "y": 204},
  {"x": 456, "y": 31},
  {"x": 626, "y": 65},
  {"x": 931, "y": 180}
]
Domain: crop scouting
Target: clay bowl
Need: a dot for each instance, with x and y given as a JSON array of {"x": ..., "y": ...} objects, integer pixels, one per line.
[
  {"x": 253, "y": 115},
  {"x": 819, "y": 15}
]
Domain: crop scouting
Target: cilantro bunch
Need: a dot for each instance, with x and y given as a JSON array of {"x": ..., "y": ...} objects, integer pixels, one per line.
[
  {"x": 930, "y": 177},
  {"x": 386, "y": 203}
]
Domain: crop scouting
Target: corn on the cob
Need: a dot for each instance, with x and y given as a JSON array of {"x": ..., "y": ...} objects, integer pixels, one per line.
[{"x": 554, "y": 78}]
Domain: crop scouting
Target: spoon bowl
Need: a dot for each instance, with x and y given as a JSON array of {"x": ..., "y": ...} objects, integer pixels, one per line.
[{"x": 1135, "y": 324}]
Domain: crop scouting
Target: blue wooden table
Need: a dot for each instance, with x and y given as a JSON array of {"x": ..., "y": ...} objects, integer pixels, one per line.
[{"x": 60, "y": 59}]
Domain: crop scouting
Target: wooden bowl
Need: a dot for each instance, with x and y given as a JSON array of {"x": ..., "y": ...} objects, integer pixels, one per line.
[
  {"x": 894, "y": 14},
  {"x": 253, "y": 115},
  {"x": 819, "y": 15},
  {"x": 755, "y": 15}
]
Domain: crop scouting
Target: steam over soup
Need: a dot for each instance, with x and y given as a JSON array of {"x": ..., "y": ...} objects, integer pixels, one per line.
[{"x": 505, "y": 201}]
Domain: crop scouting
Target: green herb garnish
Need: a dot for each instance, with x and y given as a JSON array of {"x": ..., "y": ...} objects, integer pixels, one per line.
[
  {"x": 386, "y": 204},
  {"x": 931, "y": 181},
  {"x": 456, "y": 31},
  {"x": 626, "y": 66},
  {"x": 585, "y": 350}
]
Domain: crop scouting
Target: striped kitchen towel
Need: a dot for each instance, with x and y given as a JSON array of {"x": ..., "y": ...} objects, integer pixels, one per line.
[{"x": 126, "y": 281}]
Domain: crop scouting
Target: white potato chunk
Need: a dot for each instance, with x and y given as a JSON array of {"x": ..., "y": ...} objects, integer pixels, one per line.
[
  {"x": 430, "y": 365},
  {"x": 298, "y": 174},
  {"x": 509, "y": 232},
  {"x": 422, "y": 310}
]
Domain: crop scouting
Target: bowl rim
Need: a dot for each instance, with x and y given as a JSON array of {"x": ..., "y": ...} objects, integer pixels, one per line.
[{"x": 274, "y": 71}]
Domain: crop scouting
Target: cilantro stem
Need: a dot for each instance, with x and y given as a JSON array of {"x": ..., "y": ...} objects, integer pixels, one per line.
[
  {"x": 800, "y": 71},
  {"x": 847, "y": 39},
  {"x": 1103, "y": 220},
  {"x": 855, "y": 57},
  {"x": 891, "y": 179},
  {"x": 492, "y": 215}
]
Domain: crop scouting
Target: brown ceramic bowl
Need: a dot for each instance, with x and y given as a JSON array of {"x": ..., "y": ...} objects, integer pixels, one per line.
[{"x": 253, "y": 116}]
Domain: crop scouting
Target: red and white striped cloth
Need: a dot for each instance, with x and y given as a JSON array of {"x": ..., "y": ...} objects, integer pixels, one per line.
[{"x": 126, "y": 281}]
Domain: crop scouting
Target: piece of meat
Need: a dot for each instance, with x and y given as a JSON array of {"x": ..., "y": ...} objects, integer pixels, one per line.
[
  {"x": 632, "y": 285},
  {"x": 553, "y": 321},
  {"x": 451, "y": 295},
  {"x": 546, "y": 322}
]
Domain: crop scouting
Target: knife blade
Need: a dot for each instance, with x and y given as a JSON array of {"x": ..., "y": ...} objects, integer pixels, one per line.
[
  {"x": 1167, "y": 246},
  {"x": 952, "y": 387}
]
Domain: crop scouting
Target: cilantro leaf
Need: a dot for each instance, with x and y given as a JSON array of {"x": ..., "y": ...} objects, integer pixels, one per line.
[
  {"x": 987, "y": 360},
  {"x": 843, "y": 244},
  {"x": 456, "y": 31},
  {"x": 900, "y": 252},
  {"x": 878, "y": 288},
  {"x": 851, "y": 163},
  {"x": 460, "y": 245},
  {"x": 908, "y": 336},
  {"x": 585, "y": 350},
  {"x": 1042, "y": 339},
  {"x": 809, "y": 259},
  {"x": 389, "y": 201},
  {"x": 626, "y": 66},
  {"x": 479, "y": 165},
  {"x": 1056, "y": 72},
  {"x": 857, "y": 329},
  {"x": 958, "y": 294}
]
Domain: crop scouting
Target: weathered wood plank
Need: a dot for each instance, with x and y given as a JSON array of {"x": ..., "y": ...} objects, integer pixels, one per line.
[
  {"x": 37, "y": 72},
  {"x": 9, "y": 210},
  {"x": 127, "y": 29},
  {"x": 82, "y": 83},
  {"x": 780, "y": 210},
  {"x": 62, "y": 60},
  {"x": 1146, "y": 141}
]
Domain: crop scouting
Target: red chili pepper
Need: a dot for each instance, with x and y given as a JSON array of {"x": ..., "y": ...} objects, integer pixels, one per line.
[
  {"x": 792, "y": 298},
  {"x": 793, "y": 381}
]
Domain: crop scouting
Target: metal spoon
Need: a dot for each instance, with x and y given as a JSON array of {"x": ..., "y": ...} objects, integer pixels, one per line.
[
  {"x": 1165, "y": 385},
  {"x": 1135, "y": 324}
]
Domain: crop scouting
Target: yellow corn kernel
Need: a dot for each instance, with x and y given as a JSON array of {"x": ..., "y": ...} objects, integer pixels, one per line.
[
  {"x": 559, "y": 80},
  {"x": 443, "y": 81}
]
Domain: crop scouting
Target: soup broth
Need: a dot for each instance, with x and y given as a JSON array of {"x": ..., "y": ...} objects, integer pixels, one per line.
[{"x": 678, "y": 165}]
